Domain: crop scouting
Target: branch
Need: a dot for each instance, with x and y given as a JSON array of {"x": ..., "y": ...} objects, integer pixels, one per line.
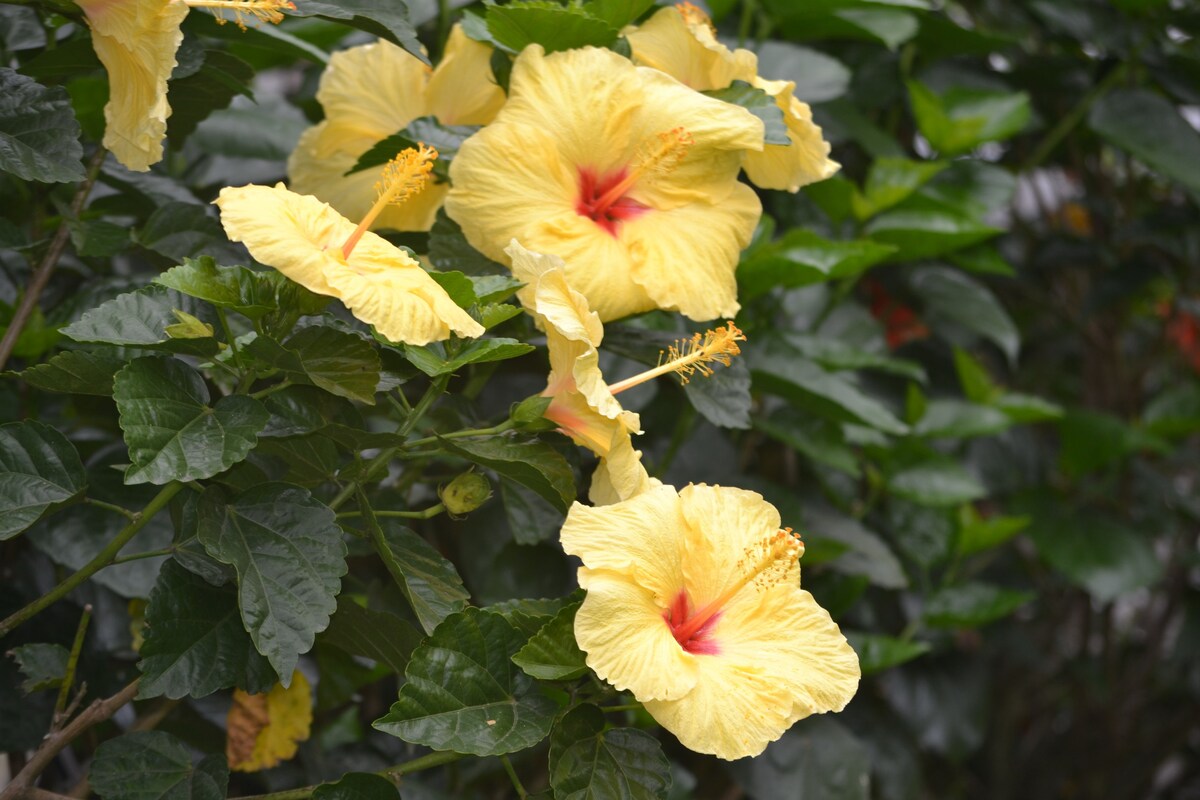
[
  {"x": 41, "y": 275},
  {"x": 22, "y": 787}
]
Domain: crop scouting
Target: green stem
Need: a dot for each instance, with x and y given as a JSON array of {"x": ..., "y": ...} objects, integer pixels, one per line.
[
  {"x": 392, "y": 773},
  {"x": 1073, "y": 118},
  {"x": 73, "y": 661},
  {"x": 748, "y": 9},
  {"x": 501, "y": 428},
  {"x": 270, "y": 390},
  {"x": 512, "y": 776},
  {"x": 237, "y": 355},
  {"x": 428, "y": 513},
  {"x": 166, "y": 551},
  {"x": 122, "y": 510},
  {"x": 102, "y": 560}
]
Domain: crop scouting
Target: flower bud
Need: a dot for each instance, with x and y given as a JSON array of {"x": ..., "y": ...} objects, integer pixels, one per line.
[
  {"x": 465, "y": 493},
  {"x": 529, "y": 414}
]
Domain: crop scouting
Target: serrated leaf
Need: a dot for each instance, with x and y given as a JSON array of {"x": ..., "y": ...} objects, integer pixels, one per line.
[
  {"x": 618, "y": 13},
  {"x": 241, "y": 289},
  {"x": 530, "y": 518},
  {"x": 75, "y": 372},
  {"x": 589, "y": 762},
  {"x": 221, "y": 77},
  {"x": 171, "y": 431},
  {"x": 429, "y": 581},
  {"x": 153, "y": 765},
  {"x": 289, "y": 556},
  {"x": 357, "y": 786},
  {"x": 552, "y": 654},
  {"x": 140, "y": 318},
  {"x": 761, "y": 105},
  {"x": 39, "y": 135},
  {"x": 530, "y": 462},
  {"x": 521, "y": 23},
  {"x": 463, "y": 693},
  {"x": 180, "y": 230},
  {"x": 38, "y": 468},
  {"x": 265, "y": 730},
  {"x": 194, "y": 642},
  {"x": 971, "y": 605},
  {"x": 97, "y": 238},
  {"x": 877, "y": 652},
  {"x": 449, "y": 249},
  {"x": 802, "y": 258},
  {"x": 338, "y": 362},
  {"x": 376, "y": 635},
  {"x": 386, "y": 20},
  {"x": 431, "y": 359},
  {"x": 43, "y": 665}
]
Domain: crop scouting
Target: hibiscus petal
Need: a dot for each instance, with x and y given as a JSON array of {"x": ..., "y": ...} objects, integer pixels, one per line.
[
  {"x": 462, "y": 89},
  {"x": 689, "y": 53},
  {"x": 379, "y": 86},
  {"x": 805, "y": 160}
]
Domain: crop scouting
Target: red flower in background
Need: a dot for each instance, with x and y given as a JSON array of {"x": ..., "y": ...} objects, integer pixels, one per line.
[
  {"x": 901, "y": 323},
  {"x": 1183, "y": 331}
]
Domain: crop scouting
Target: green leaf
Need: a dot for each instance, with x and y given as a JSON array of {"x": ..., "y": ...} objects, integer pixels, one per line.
[
  {"x": 171, "y": 431},
  {"x": 953, "y": 297},
  {"x": 976, "y": 534},
  {"x": 1025, "y": 408},
  {"x": 338, "y": 362},
  {"x": 357, "y": 786},
  {"x": 865, "y": 554},
  {"x": 959, "y": 419},
  {"x": 388, "y": 20},
  {"x": 422, "y": 130},
  {"x": 140, "y": 319},
  {"x": 552, "y": 654},
  {"x": 834, "y": 354},
  {"x": 195, "y": 643},
  {"x": 890, "y": 181},
  {"x": 518, "y": 24},
  {"x": 818, "y": 77},
  {"x": 221, "y": 77},
  {"x": 97, "y": 238},
  {"x": 530, "y": 518},
  {"x": 377, "y": 635},
  {"x": 1174, "y": 412},
  {"x": 619, "y": 13},
  {"x": 243, "y": 290},
  {"x": 1093, "y": 440},
  {"x": 723, "y": 398},
  {"x": 463, "y": 693},
  {"x": 815, "y": 439},
  {"x": 76, "y": 535},
  {"x": 289, "y": 555},
  {"x": 431, "y": 359},
  {"x": 976, "y": 383},
  {"x": 802, "y": 258},
  {"x": 778, "y": 368},
  {"x": 877, "y": 652},
  {"x": 39, "y": 135},
  {"x": 935, "y": 484},
  {"x": 817, "y": 758},
  {"x": 761, "y": 105},
  {"x": 923, "y": 228},
  {"x": 44, "y": 665},
  {"x": 153, "y": 765},
  {"x": 180, "y": 230},
  {"x": 430, "y": 582},
  {"x": 450, "y": 251},
  {"x": 588, "y": 762},
  {"x": 960, "y": 119},
  {"x": 38, "y": 468},
  {"x": 530, "y": 462},
  {"x": 972, "y": 605},
  {"x": 1148, "y": 126}
]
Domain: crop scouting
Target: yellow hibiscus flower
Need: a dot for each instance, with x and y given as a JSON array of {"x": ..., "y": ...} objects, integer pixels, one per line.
[
  {"x": 321, "y": 250},
  {"x": 582, "y": 405},
  {"x": 373, "y": 91},
  {"x": 631, "y": 179},
  {"x": 680, "y": 41},
  {"x": 694, "y": 605},
  {"x": 136, "y": 41}
]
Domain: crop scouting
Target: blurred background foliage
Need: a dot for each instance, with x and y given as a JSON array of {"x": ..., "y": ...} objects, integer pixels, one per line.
[{"x": 972, "y": 380}]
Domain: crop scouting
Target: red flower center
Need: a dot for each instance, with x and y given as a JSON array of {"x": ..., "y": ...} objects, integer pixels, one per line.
[
  {"x": 602, "y": 199},
  {"x": 693, "y": 638}
]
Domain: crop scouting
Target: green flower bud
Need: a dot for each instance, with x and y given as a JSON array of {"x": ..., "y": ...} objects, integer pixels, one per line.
[
  {"x": 465, "y": 493},
  {"x": 529, "y": 414}
]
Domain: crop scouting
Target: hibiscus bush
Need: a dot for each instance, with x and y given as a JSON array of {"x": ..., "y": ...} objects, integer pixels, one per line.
[{"x": 444, "y": 399}]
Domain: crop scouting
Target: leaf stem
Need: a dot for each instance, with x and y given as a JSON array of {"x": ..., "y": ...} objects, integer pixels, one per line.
[
  {"x": 72, "y": 662},
  {"x": 270, "y": 390},
  {"x": 102, "y": 560},
  {"x": 41, "y": 275},
  {"x": 229, "y": 337},
  {"x": 501, "y": 428},
  {"x": 122, "y": 510},
  {"x": 512, "y": 776},
  {"x": 427, "y": 513},
  {"x": 166, "y": 551}
]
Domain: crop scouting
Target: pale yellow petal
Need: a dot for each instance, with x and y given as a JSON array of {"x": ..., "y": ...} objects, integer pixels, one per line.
[
  {"x": 685, "y": 259},
  {"x": 628, "y": 643},
  {"x": 689, "y": 52},
  {"x": 377, "y": 87},
  {"x": 642, "y": 537},
  {"x": 620, "y": 474},
  {"x": 462, "y": 89},
  {"x": 804, "y": 161},
  {"x": 136, "y": 41}
]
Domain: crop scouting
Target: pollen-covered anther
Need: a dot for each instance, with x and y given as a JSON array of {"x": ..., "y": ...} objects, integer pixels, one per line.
[
  {"x": 689, "y": 356},
  {"x": 238, "y": 11},
  {"x": 661, "y": 157},
  {"x": 404, "y": 176}
]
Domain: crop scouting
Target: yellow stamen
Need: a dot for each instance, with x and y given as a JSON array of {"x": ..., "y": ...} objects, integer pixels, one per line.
[
  {"x": 692, "y": 15},
  {"x": 654, "y": 158},
  {"x": 769, "y": 562},
  {"x": 689, "y": 356},
  {"x": 404, "y": 176},
  {"x": 258, "y": 10}
]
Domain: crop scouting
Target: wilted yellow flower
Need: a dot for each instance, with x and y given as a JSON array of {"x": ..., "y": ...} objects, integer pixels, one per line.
[
  {"x": 694, "y": 605},
  {"x": 136, "y": 41},
  {"x": 581, "y": 403},
  {"x": 623, "y": 172},
  {"x": 680, "y": 41},
  {"x": 373, "y": 91},
  {"x": 321, "y": 250}
]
